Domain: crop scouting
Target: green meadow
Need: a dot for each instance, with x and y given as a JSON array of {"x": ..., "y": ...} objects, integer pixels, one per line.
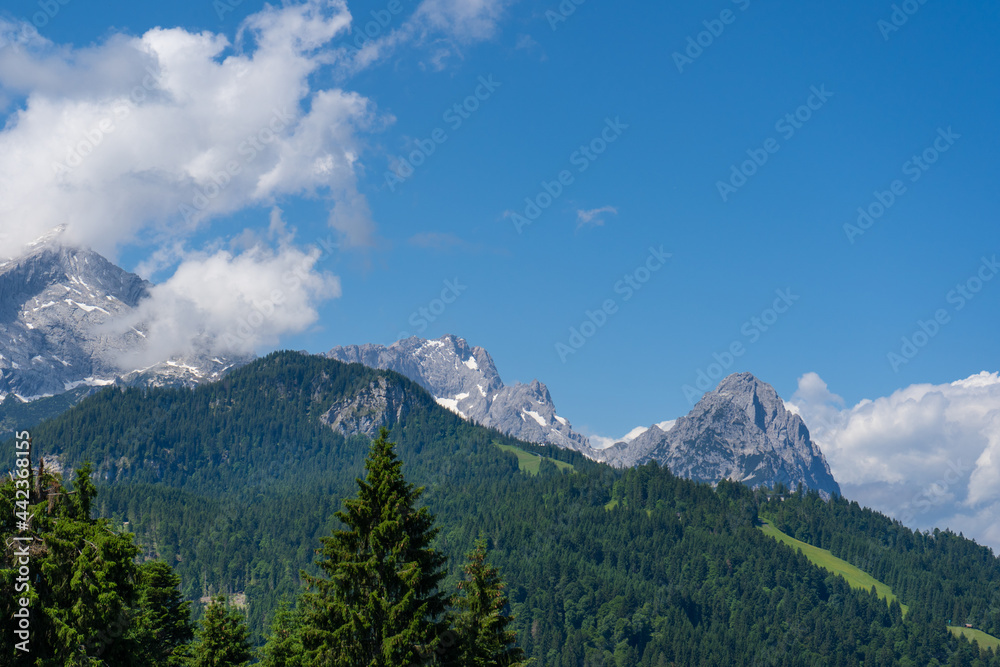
[
  {"x": 823, "y": 558},
  {"x": 529, "y": 463},
  {"x": 985, "y": 640}
]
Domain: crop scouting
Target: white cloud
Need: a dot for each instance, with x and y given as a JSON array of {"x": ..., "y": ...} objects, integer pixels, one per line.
[
  {"x": 928, "y": 455},
  {"x": 147, "y": 139},
  {"x": 465, "y": 20},
  {"x": 444, "y": 27},
  {"x": 226, "y": 303},
  {"x": 155, "y": 136},
  {"x": 593, "y": 217},
  {"x": 599, "y": 441}
]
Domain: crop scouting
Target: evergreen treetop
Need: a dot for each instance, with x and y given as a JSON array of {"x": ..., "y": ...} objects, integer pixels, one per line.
[{"x": 379, "y": 604}]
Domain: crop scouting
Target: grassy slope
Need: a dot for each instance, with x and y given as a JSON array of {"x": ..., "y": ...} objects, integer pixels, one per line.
[
  {"x": 985, "y": 640},
  {"x": 529, "y": 463},
  {"x": 823, "y": 558}
]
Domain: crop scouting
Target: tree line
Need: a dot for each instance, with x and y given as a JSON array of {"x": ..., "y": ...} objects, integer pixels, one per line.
[
  {"x": 379, "y": 603},
  {"x": 235, "y": 484}
]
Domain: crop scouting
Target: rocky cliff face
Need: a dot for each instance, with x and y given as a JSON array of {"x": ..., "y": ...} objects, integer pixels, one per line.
[
  {"x": 56, "y": 303},
  {"x": 740, "y": 431},
  {"x": 465, "y": 380},
  {"x": 368, "y": 410}
]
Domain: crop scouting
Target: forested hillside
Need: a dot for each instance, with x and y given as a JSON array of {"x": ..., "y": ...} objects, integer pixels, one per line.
[
  {"x": 234, "y": 484},
  {"x": 953, "y": 578}
]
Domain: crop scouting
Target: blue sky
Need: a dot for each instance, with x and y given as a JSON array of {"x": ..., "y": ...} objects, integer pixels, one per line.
[
  {"x": 698, "y": 170},
  {"x": 658, "y": 183}
]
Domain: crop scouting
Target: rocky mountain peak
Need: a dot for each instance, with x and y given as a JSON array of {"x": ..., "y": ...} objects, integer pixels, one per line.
[
  {"x": 742, "y": 431},
  {"x": 56, "y": 302},
  {"x": 758, "y": 400},
  {"x": 464, "y": 379}
]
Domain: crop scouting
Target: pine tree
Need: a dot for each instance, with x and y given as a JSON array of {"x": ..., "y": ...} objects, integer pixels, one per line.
[
  {"x": 484, "y": 637},
  {"x": 284, "y": 644},
  {"x": 164, "y": 626},
  {"x": 379, "y": 604},
  {"x": 223, "y": 639}
]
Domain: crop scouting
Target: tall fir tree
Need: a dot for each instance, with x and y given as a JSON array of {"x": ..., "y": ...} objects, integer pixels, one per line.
[
  {"x": 223, "y": 639},
  {"x": 379, "y": 604},
  {"x": 284, "y": 643},
  {"x": 82, "y": 578},
  {"x": 164, "y": 626},
  {"x": 484, "y": 636}
]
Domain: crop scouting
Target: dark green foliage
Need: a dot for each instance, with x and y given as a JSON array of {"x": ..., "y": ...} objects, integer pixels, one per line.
[
  {"x": 284, "y": 643},
  {"x": 223, "y": 639},
  {"x": 484, "y": 636},
  {"x": 378, "y": 604},
  {"x": 953, "y": 579},
  {"x": 165, "y": 624},
  {"x": 15, "y": 414},
  {"x": 235, "y": 483},
  {"x": 90, "y": 603}
]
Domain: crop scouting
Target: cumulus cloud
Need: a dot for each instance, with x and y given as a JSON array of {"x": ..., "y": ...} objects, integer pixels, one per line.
[
  {"x": 146, "y": 140},
  {"x": 153, "y": 137},
  {"x": 231, "y": 303},
  {"x": 928, "y": 455},
  {"x": 149, "y": 139}
]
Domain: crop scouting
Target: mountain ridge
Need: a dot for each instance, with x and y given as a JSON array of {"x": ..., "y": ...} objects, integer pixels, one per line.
[
  {"x": 58, "y": 304},
  {"x": 762, "y": 443},
  {"x": 234, "y": 483},
  {"x": 57, "y": 307},
  {"x": 464, "y": 379}
]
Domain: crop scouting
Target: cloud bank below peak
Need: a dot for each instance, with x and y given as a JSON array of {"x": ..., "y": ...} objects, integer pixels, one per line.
[{"x": 928, "y": 455}]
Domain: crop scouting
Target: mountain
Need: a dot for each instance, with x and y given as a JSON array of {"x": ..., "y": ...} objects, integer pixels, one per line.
[
  {"x": 465, "y": 380},
  {"x": 56, "y": 303},
  {"x": 235, "y": 482},
  {"x": 740, "y": 431}
]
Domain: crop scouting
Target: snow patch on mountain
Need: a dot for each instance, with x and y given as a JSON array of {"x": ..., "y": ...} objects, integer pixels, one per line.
[
  {"x": 465, "y": 380},
  {"x": 55, "y": 338}
]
